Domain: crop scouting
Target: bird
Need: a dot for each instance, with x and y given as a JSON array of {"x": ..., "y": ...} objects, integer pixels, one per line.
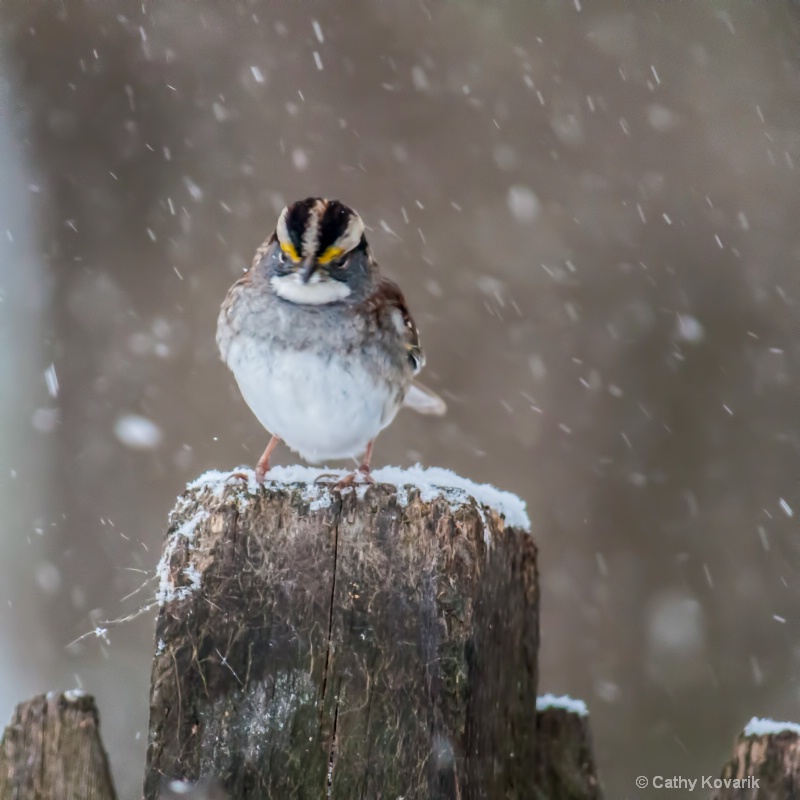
[{"x": 322, "y": 346}]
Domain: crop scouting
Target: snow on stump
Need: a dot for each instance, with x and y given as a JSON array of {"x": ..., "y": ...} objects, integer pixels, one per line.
[
  {"x": 565, "y": 765},
  {"x": 52, "y": 749},
  {"x": 765, "y": 763},
  {"x": 378, "y": 642}
]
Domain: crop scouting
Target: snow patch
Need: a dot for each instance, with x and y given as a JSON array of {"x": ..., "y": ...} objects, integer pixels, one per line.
[
  {"x": 194, "y": 576},
  {"x": 689, "y": 329},
  {"x": 432, "y": 482},
  {"x": 769, "y": 727},
  {"x": 299, "y": 159},
  {"x": 523, "y": 204},
  {"x": 51, "y": 379},
  {"x": 564, "y": 701},
  {"x": 45, "y": 420},
  {"x": 661, "y": 118},
  {"x": 137, "y": 432},
  {"x": 167, "y": 591}
]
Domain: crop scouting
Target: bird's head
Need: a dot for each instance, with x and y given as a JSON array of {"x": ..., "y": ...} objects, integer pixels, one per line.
[{"x": 319, "y": 254}]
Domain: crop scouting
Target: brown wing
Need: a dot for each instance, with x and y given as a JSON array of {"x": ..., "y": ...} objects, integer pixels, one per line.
[
  {"x": 388, "y": 303},
  {"x": 244, "y": 283},
  {"x": 262, "y": 249}
]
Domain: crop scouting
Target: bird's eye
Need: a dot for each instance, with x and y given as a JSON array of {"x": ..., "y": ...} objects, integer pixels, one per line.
[
  {"x": 285, "y": 262},
  {"x": 288, "y": 251}
]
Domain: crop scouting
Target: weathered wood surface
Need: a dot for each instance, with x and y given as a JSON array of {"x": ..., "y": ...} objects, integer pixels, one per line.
[
  {"x": 763, "y": 767},
  {"x": 355, "y": 645},
  {"x": 565, "y": 767},
  {"x": 182, "y": 790},
  {"x": 52, "y": 749}
]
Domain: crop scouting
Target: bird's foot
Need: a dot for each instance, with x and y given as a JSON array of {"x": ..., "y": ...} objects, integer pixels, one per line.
[
  {"x": 262, "y": 467},
  {"x": 261, "y": 474},
  {"x": 362, "y": 475},
  {"x": 326, "y": 477}
]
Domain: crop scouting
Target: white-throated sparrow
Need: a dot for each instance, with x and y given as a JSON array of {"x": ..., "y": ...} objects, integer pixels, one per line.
[{"x": 322, "y": 346}]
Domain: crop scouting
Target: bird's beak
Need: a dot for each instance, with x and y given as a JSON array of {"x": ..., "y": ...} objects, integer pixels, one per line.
[{"x": 308, "y": 268}]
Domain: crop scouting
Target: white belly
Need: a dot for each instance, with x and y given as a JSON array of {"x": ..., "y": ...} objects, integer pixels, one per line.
[{"x": 322, "y": 409}]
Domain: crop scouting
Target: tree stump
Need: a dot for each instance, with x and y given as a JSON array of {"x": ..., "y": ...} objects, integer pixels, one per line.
[
  {"x": 379, "y": 642},
  {"x": 765, "y": 763},
  {"x": 52, "y": 749},
  {"x": 565, "y": 767}
]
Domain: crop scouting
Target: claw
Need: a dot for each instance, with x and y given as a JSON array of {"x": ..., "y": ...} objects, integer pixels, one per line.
[
  {"x": 328, "y": 476},
  {"x": 361, "y": 475}
]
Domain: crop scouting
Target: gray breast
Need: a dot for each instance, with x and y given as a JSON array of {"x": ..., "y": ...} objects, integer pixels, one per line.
[{"x": 334, "y": 331}]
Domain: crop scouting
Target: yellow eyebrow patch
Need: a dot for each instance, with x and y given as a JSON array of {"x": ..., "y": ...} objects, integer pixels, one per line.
[
  {"x": 329, "y": 254},
  {"x": 290, "y": 251}
]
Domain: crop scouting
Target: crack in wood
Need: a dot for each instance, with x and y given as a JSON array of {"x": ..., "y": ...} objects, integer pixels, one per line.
[
  {"x": 332, "y": 756},
  {"x": 330, "y": 618}
]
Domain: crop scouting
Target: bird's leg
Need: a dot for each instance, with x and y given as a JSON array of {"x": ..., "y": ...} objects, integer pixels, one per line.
[
  {"x": 362, "y": 474},
  {"x": 262, "y": 467},
  {"x": 365, "y": 468}
]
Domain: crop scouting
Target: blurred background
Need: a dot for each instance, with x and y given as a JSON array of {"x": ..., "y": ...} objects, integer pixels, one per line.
[{"x": 593, "y": 211}]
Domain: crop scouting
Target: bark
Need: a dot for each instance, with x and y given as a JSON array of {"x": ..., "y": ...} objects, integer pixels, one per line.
[
  {"x": 565, "y": 767},
  {"x": 763, "y": 767},
  {"x": 181, "y": 790},
  {"x": 356, "y": 645},
  {"x": 52, "y": 749}
]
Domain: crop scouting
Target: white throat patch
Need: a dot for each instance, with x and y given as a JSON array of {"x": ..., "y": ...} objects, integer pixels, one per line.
[{"x": 316, "y": 292}]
